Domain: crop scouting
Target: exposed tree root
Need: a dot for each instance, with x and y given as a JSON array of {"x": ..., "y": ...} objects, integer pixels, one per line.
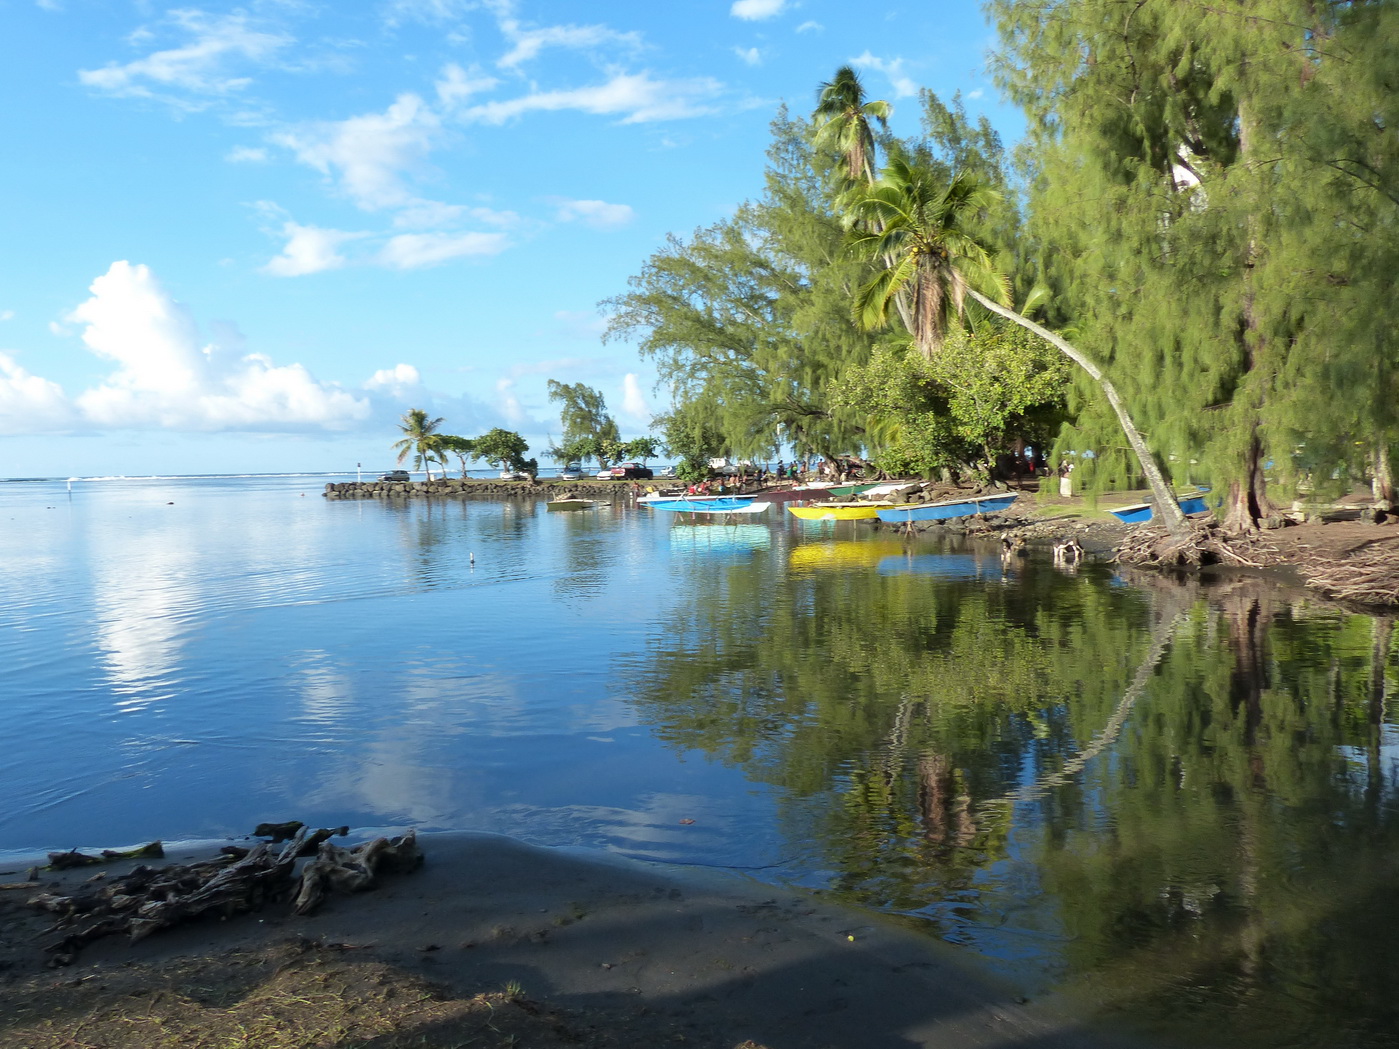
[
  {"x": 1205, "y": 544},
  {"x": 1370, "y": 576}
]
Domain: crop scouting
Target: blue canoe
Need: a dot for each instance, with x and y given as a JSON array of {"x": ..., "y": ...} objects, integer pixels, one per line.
[
  {"x": 1138, "y": 513},
  {"x": 705, "y": 504},
  {"x": 989, "y": 504}
]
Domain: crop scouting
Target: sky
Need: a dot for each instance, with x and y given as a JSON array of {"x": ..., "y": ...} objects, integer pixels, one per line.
[{"x": 241, "y": 238}]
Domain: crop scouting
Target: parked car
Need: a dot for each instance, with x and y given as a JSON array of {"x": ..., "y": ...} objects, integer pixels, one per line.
[
  {"x": 571, "y": 472},
  {"x": 395, "y": 475},
  {"x": 631, "y": 472},
  {"x": 514, "y": 475},
  {"x": 667, "y": 471},
  {"x": 605, "y": 475}
]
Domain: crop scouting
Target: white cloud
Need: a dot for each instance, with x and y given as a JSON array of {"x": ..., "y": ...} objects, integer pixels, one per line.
[
  {"x": 811, "y": 27},
  {"x": 246, "y": 155},
  {"x": 527, "y": 43},
  {"x": 398, "y": 379},
  {"x": 456, "y": 84},
  {"x": 750, "y": 55},
  {"x": 634, "y": 401},
  {"x": 7, "y": 315},
  {"x": 903, "y": 86},
  {"x": 428, "y": 12},
  {"x": 309, "y": 249},
  {"x": 198, "y": 67},
  {"x": 754, "y": 10},
  {"x": 165, "y": 378},
  {"x": 370, "y": 154},
  {"x": 29, "y": 403},
  {"x": 637, "y": 97},
  {"x": 414, "y": 250},
  {"x": 596, "y": 213}
]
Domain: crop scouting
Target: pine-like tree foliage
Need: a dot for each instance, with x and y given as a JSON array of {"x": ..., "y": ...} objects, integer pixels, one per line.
[
  {"x": 1214, "y": 189},
  {"x": 749, "y": 319}
]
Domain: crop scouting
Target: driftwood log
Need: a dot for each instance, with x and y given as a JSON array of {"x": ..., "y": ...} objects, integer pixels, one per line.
[{"x": 239, "y": 880}]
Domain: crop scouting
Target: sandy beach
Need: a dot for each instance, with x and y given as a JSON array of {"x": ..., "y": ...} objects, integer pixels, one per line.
[{"x": 494, "y": 940}]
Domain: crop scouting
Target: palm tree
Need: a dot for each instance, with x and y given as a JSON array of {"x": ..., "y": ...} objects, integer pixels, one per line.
[
  {"x": 419, "y": 438},
  {"x": 916, "y": 225},
  {"x": 931, "y": 257},
  {"x": 843, "y": 124}
]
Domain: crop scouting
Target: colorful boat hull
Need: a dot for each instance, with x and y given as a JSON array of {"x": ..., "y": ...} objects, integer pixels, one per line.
[
  {"x": 838, "y": 511},
  {"x": 701, "y": 504},
  {"x": 1139, "y": 513},
  {"x": 948, "y": 510}
]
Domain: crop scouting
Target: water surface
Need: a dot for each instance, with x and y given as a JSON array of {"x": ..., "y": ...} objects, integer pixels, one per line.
[{"x": 1177, "y": 802}]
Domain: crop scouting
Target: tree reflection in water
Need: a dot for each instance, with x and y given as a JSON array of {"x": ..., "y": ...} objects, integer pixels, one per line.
[{"x": 1176, "y": 799}]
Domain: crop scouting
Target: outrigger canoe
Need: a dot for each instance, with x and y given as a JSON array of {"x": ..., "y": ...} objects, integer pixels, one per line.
[
  {"x": 989, "y": 504},
  {"x": 1138, "y": 513},
  {"x": 572, "y": 504},
  {"x": 838, "y": 511},
  {"x": 705, "y": 504}
]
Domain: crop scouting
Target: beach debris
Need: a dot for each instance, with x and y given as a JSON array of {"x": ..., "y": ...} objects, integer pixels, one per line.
[
  {"x": 236, "y": 881},
  {"x": 62, "y": 861}
]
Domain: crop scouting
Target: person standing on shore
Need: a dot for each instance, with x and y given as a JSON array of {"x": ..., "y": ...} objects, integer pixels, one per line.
[{"x": 1066, "y": 487}]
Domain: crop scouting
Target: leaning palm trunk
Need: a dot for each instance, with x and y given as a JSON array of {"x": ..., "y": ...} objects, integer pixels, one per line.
[{"x": 1166, "y": 505}]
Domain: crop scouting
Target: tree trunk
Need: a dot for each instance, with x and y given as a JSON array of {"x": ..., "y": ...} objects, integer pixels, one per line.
[
  {"x": 1167, "y": 508},
  {"x": 1382, "y": 481},
  {"x": 1248, "y": 500}
]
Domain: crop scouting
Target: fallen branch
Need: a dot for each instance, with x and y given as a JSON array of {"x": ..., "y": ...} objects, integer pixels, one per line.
[{"x": 149, "y": 899}]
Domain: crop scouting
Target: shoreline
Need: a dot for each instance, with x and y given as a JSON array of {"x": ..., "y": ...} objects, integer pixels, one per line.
[{"x": 613, "y": 951}]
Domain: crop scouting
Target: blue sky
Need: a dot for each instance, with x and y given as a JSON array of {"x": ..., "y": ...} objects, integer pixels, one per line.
[{"x": 244, "y": 238}]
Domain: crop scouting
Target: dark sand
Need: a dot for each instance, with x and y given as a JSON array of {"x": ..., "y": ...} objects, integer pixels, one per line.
[{"x": 625, "y": 953}]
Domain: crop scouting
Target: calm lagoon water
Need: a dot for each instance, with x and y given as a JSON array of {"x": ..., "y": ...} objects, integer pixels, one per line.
[{"x": 1176, "y": 802}]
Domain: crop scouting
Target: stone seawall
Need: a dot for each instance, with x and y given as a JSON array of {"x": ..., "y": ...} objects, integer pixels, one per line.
[{"x": 455, "y": 487}]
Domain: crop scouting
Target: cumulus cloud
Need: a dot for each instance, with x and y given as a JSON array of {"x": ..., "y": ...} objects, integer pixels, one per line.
[
  {"x": 634, "y": 401},
  {"x": 596, "y": 213},
  {"x": 755, "y": 10},
  {"x": 309, "y": 249},
  {"x": 165, "y": 378},
  {"x": 811, "y": 27},
  {"x": 199, "y": 67},
  {"x": 414, "y": 250},
  {"x": 398, "y": 379},
  {"x": 636, "y": 97},
  {"x": 903, "y": 86},
  {"x": 29, "y": 403},
  {"x": 750, "y": 55},
  {"x": 368, "y": 156}
]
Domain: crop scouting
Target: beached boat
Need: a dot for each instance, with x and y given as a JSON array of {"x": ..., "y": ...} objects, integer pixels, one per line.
[
  {"x": 980, "y": 504},
  {"x": 573, "y": 504},
  {"x": 1139, "y": 513},
  {"x": 838, "y": 511},
  {"x": 705, "y": 504}
]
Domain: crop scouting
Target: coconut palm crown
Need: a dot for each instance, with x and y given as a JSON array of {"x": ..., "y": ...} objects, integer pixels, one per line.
[
  {"x": 843, "y": 117},
  {"x": 419, "y": 439},
  {"x": 916, "y": 224}
]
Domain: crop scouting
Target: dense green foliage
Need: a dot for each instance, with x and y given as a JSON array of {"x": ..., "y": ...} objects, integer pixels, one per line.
[
  {"x": 1213, "y": 194},
  {"x": 1207, "y": 199},
  {"x": 589, "y": 432}
]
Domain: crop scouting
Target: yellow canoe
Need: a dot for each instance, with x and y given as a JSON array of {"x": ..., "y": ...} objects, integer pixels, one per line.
[{"x": 838, "y": 511}]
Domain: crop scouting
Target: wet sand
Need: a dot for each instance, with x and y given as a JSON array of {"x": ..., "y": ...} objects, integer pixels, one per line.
[{"x": 625, "y": 953}]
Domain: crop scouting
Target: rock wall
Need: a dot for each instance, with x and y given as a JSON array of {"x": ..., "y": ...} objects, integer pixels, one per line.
[{"x": 456, "y": 487}]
